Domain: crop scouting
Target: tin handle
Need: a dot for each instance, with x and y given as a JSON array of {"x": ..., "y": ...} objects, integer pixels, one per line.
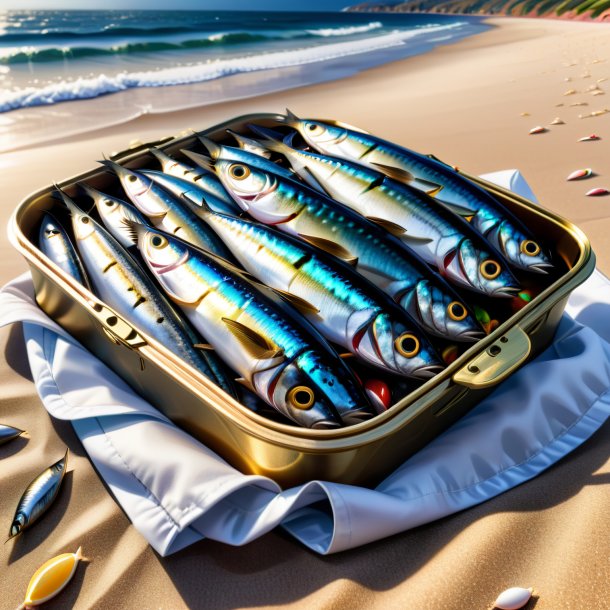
[{"x": 497, "y": 362}]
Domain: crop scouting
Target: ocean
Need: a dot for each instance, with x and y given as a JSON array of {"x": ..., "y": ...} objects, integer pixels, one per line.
[{"x": 48, "y": 58}]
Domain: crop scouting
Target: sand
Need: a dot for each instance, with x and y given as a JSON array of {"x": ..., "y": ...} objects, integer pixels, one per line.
[{"x": 464, "y": 103}]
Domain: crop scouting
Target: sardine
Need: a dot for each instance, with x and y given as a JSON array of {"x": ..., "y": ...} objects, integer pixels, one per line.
[
  {"x": 8, "y": 433},
  {"x": 165, "y": 211},
  {"x": 301, "y": 211},
  {"x": 283, "y": 361},
  {"x": 343, "y": 306},
  {"x": 440, "y": 237},
  {"x": 121, "y": 283},
  {"x": 38, "y": 496},
  {"x": 199, "y": 177},
  {"x": 487, "y": 215},
  {"x": 179, "y": 187},
  {"x": 115, "y": 213},
  {"x": 55, "y": 243}
]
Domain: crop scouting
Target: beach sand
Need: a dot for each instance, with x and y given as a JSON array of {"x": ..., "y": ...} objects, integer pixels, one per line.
[{"x": 463, "y": 103}]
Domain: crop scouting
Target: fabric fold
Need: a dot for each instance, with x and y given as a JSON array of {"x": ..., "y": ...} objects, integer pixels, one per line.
[{"x": 176, "y": 491}]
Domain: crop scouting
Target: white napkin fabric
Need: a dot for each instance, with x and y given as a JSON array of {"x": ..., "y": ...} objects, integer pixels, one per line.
[{"x": 176, "y": 491}]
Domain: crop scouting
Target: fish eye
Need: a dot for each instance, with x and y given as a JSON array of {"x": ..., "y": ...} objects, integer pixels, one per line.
[
  {"x": 300, "y": 397},
  {"x": 529, "y": 247},
  {"x": 407, "y": 345},
  {"x": 108, "y": 202},
  {"x": 239, "y": 172},
  {"x": 85, "y": 220},
  {"x": 158, "y": 241},
  {"x": 456, "y": 311},
  {"x": 314, "y": 128},
  {"x": 132, "y": 178},
  {"x": 490, "y": 269}
]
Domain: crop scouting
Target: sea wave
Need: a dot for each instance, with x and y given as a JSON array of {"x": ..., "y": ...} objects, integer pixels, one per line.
[
  {"x": 85, "y": 88},
  {"x": 346, "y": 30}
]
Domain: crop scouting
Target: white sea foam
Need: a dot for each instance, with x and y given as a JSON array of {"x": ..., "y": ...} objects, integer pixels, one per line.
[
  {"x": 347, "y": 30},
  {"x": 85, "y": 88}
]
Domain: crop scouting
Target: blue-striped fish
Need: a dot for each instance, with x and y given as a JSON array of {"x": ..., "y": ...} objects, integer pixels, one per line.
[
  {"x": 440, "y": 237},
  {"x": 282, "y": 360},
  {"x": 121, "y": 283},
  {"x": 38, "y": 496},
  {"x": 199, "y": 177},
  {"x": 55, "y": 243},
  {"x": 344, "y": 307},
  {"x": 165, "y": 211},
  {"x": 487, "y": 215}
]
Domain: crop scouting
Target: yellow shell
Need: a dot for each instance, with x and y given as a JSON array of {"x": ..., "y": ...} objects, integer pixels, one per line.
[{"x": 51, "y": 577}]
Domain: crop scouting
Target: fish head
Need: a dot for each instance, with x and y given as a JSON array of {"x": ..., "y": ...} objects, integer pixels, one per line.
[
  {"x": 137, "y": 187},
  {"x": 49, "y": 228},
  {"x": 319, "y": 135},
  {"x": 523, "y": 252},
  {"x": 19, "y": 522},
  {"x": 442, "y": 312},
  {"x": 396, "y": 345},
  {"x": 480, "y": 270},
  {"x": 167, "y": 258},
  {"x": 314, "y": 388}
]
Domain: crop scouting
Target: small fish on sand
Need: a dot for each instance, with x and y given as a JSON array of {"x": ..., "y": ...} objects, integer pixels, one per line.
[
  {"x": 580, "y": 174},
  {"x": 538, "y": 129},
  {"x": 597, "y": 192},
  {"x": 591, "y": 138},
  {"x": 557, "y": 121}
]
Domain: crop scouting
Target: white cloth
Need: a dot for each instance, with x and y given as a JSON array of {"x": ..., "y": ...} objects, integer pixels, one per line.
[{"x": 176, "y": 491}]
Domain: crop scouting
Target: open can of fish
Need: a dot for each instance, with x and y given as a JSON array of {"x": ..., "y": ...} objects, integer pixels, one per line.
[{"x": 359, "y": 454}]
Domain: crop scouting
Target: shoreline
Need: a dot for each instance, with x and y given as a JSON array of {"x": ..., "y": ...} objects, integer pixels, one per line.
[{"x": 461, "y": 101}]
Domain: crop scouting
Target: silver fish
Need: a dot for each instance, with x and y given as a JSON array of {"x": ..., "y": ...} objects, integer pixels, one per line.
[
  {"x": 115, "y": 213},
  {"x": 166, "y": 212},
  {"x": 197, "y": 176},
  {"x": 250, "y": 145},
  {"x": 121, "y": 283},
  {"x": 425, "y": 225},
  {"x": 55, "y": 243},
  {"x": 38, "y": 496},
  {"x": 179, "y": 187},
  {"x": 8, "y": 433},
  {"x": 486, "y": 214},
  {"x": 283, "y": 360},
  {"x": 343, "y": 306}
]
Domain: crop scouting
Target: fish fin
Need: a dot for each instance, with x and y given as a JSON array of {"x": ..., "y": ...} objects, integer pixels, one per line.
[
  {"x": 331, "y": 247},
  {"x": 257, "y": 346},
  {"x": 297, "y": 302},
  {"x": 291, "y": 117},
  {"x": 415, "y": 240},
  {"x": 388, "y": 225},
  {"x": 201, "y": 160},
  {"x": 434, "y": 190},
  {"x": 395, "y": 172},
  {"x": 204, "y": 346},
  {"x": 460, "y": 210}
]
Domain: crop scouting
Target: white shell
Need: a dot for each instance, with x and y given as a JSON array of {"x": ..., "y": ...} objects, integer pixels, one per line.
[
  {"x": 557, "y": 121},
  {"x": 538, "y": 129},
  {"x": 513, "y": 598}
]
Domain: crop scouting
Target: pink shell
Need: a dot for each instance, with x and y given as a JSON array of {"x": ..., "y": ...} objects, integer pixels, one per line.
[
  {"x": 590, "y": 138},
  {"x": 579, "y": 174},
  {"x": 597, "y": 192},
  {"x": 538, "y": 129}
]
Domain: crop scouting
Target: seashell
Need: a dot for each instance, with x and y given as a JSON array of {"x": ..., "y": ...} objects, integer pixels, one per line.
[
  {"x": 8, "y": 433},
  {"x": 51, "y": 577},
  {"x": 557, "y": 121},
  {"x": 567, "y": 79},
  {"x": 590, "y": 138},
  {"x": 601, "y": 80},
  {"x": 559, "y": 105},
  {"x": 537, "y": 129},
  {"x": 580, "y": 174},
  {"x": 597, "y": 192},
  {"x": 38, "y": 496},
  {"x": 598, "y": 92},
  {"x": 570, "y": 92},
  {"x": 525, "y": 114},
  {"x": 579, "y": 104},
  {"x": 513, "y": 598},
  {"x": 379, "y": 393}
]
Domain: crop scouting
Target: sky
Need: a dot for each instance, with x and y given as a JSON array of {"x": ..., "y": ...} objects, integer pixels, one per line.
[{"x": 276, "y": 5}]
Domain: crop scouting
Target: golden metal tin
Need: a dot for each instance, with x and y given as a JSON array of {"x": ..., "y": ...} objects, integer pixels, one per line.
[{"x": 362, "y": 454}]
